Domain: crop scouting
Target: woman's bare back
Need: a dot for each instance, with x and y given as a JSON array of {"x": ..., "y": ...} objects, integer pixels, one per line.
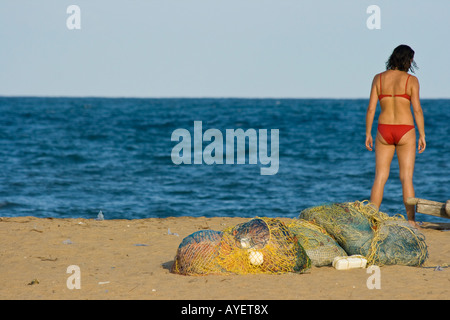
[{"x": 395, "y": 90}]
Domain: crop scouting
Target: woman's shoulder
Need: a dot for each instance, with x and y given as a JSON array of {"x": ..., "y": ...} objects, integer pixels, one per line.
[
  {"x": 377, "y": 76},
  {"x": 413, "y": 79}
]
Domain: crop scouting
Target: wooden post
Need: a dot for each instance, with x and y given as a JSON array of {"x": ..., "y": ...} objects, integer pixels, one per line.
[{"x": 434, "y": 208}]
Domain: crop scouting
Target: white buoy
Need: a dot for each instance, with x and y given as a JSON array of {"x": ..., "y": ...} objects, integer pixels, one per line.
[
  {"x": 256, "y": 258},
  {"x": 350, "y": 262}
]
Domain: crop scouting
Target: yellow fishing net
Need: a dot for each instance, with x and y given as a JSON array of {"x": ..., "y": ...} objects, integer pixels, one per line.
[{"x": 261, "y": 245}]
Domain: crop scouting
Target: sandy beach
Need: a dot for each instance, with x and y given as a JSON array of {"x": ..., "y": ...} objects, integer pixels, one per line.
[{"x": 131, "y": 259}]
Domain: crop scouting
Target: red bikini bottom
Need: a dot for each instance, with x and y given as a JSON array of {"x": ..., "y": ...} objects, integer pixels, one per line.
[{"x": 392, "y": 133}]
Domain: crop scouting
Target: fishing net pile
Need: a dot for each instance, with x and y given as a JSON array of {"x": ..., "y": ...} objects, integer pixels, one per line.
[
  {"x": 360, "y": 229},
  {"x": 320, "y": 234},
  {"x": 260, "y": 245}
]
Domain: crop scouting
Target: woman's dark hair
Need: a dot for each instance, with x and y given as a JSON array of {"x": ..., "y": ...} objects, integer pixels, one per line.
[{"x": 402, "y": 58}]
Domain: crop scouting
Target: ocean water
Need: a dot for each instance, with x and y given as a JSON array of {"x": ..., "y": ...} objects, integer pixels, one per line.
[{"x": 72, "y": 157}]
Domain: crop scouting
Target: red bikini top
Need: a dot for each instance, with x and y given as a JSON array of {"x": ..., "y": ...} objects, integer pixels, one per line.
[{"x": 405, "y": 95}]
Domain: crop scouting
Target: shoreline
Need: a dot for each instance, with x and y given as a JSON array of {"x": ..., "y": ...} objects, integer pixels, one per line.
[{"x": 131, "y": 259}]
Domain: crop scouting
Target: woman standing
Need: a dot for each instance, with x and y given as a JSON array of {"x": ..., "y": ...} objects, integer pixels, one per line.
[{"x": 396, "y": 90}]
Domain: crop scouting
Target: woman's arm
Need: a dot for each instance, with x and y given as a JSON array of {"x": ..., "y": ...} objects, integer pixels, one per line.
[
  {"x": 418, "y": 113},
  {"x": 371, "y": 113}
]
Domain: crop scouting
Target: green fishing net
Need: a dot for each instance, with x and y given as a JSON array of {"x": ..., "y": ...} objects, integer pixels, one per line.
[
  {"x": 361, "y": 229},
  {"x": 320, "y": 247}
]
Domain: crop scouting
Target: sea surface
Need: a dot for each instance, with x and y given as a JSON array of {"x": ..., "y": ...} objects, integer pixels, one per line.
[{"x": 75, "y": 157}]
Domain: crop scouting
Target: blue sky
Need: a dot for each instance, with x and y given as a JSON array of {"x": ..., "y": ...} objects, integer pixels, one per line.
[{"x": 221, "y": 48}]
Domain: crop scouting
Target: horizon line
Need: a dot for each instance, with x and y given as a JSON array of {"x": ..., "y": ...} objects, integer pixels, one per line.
[{"x": 199, "y": 97}]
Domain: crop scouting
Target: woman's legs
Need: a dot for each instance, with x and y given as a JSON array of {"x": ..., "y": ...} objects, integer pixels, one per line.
[
  {"x": 383, "y": 157},
  {"x": 406, "y": 154}
]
